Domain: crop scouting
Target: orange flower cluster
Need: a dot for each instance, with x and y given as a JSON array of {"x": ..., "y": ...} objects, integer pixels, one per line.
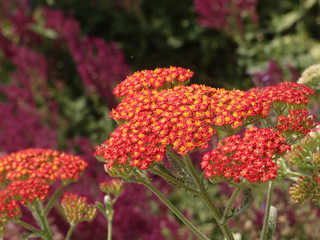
[
  {"x": 250, "y": 157},
  {"x": 183, "y": 117},
  {"x": 77, "y": 209},
  {"x": 160, "y": 78},
  {"x": 26, "y": 175},
  {"x": 44, "y": 164},
  {"x": 297, "y": 121},
  {"x": 178, "y": 117}
]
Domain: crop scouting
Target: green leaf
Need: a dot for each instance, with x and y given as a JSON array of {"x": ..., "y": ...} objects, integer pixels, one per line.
[
  {"x": 30, "y": 235},
  {"x": 100, "y": 158},
  {"x": 271, "y": 223},
  {"x": 246, "y": 204},
  {"x": 184, "y": 175},
  {"x": 244, "y": 207},
  {"x": 309, "y": 4},
  {"x": 287, "y": 20},
  {"x": 101, "y": 208}
]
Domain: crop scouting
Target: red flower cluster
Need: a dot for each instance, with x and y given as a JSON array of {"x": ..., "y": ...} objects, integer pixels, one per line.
[
  {"x": 286, "y": 92},
  {"x": 9, "y": 209},
  {"x": 182, "y": 118},
  {"x": 26, "y": 191},
  {"x": 28, "y": 174},
  {"x": 297, "y": 121},
  {"x": 233, "y": 107},
  {"x": 307, "y": 188},
  {"x": 162, "y": 78},
  {"x": 44, "y": 164},
  {"x": 178, "y": 117},
  {"x": 250, "y": 157},
  {"x": 77, "y": 209}
]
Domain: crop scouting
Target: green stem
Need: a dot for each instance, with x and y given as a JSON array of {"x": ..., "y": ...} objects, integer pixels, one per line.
[
  {"x": 269, "y": 121},
  {"x": 293, "y": 174},
  {"x": 53, "y": 199},
  {"x": 28, "y": 226},
  {"x": 206, "y": 198},
  {"x": 174, "y": 181},
  {"x": 267, "y": 212},
  {"x": 235, "y": 193},
  {"x": 175, "y": 211},
  {"x": 109, "y": 229},
  {"x": 70, "y": 231},
  {"x": 43, "y": 220}
]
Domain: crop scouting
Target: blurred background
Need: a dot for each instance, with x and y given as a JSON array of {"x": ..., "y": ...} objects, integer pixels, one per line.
[{"x": 60, "y": 60}]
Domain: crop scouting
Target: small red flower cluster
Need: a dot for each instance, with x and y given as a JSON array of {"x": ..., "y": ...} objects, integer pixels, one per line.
[
  {"x": 27, "y": 175},
  {"x": 182, "y": 118},
  {"x": 297, "y": 121},
  {"x": 307, "y": 188},
  {"x": 77, "y": 209},
  {"x": 162, "y": 78},
  {"x": 26, "y": 191},
  {"x": 112, "y": 187},
  {"x": 286, "y": 92},
  {"x": 250, "y": 157},
  {"x": 9, "y": 209}
]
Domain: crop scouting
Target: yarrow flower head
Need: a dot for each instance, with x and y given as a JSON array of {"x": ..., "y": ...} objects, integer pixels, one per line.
[
  {"x": 160, "y": 78},
  {"x": 26, "y": 175},
  {"x": 77, "y": 209},
  {"x": 44, "y": 164},
  {"x": 251, "y": 157},
  {"x": 183, "y": 118}
]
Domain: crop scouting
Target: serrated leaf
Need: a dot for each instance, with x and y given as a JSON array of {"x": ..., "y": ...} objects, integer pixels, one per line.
[
  {"x": 245, "y": 205},
  {"x": 165, "y": 170},
  {"x": 271, "y": 223},
  {"x": 183, "y": 173}
]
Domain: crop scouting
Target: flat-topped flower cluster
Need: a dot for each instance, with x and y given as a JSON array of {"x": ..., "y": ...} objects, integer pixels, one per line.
[
  {"x": 26, "y": 175},
  {"x": 184, "y": 118},
  {"x": 153, "y": 79}
]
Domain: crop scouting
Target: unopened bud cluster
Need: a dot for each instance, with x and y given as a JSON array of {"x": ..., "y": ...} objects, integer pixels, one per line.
[
  {"x": 77, "y": 209},
  {"x": 113, "y": 187},
  {"x": 305, "y": 152},
  {"x": 307, "y": 188}
]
